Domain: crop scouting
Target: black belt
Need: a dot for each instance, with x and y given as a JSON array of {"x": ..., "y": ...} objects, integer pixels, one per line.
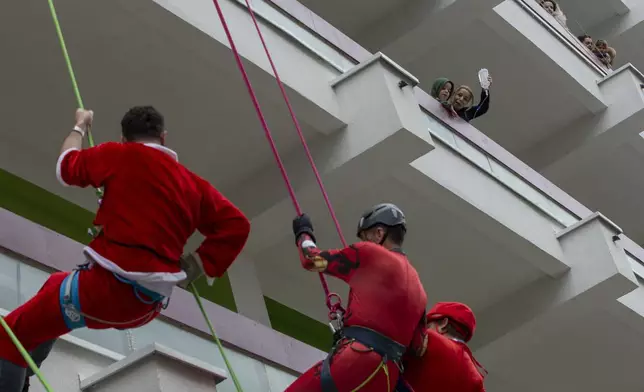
[{"x": 387, "y": 348}]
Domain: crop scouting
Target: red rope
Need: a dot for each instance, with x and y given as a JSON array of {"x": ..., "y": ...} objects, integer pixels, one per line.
[{"x": 333, "y": 301}]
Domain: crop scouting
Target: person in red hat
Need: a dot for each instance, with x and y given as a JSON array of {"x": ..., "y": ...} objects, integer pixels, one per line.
[{"x": 448, "y": 364}]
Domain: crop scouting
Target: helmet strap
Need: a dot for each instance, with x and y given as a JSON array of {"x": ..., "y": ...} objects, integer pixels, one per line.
[{"x": 384, "y": 237}]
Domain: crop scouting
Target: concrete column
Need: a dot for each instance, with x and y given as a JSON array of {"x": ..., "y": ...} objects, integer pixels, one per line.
[{"x": 247, "y": 290}]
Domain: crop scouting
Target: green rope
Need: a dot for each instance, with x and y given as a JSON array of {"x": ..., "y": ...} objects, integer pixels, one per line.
[
  {"x": 25, "y": 355},
  {"x": 72, "y": 75},
  {"x": 193, "y": 288}
]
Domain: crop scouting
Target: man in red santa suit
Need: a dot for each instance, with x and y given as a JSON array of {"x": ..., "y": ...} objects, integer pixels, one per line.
[
  {"x": 151, "y": 206},
  {"x": 385, "y": 312},
  {"x": 448, "y": 364}
]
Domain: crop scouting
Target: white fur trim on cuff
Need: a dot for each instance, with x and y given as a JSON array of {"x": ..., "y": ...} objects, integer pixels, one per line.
[{"x": 59, "y": 164}]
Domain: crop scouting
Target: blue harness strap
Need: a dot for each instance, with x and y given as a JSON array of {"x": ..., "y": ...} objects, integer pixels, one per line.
[
  {"x": 154, "y": 297},
  {"x": 70, "y": 302}
]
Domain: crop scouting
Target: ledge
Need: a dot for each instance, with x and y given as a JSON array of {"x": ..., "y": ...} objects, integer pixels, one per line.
[
  {"x": 147, "y": 352},
  {"x": 588, "y": 219},
  {"x": 624, "y": 68},
  {"x": 405, "y": 75}
]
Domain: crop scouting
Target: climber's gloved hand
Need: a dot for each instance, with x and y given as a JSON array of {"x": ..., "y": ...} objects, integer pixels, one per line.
[{"x": 193, "y": 267}]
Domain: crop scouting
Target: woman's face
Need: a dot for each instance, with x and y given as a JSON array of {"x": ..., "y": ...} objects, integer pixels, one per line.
[
  {"x": 588, "y": 42},
  {"x": 549, "y": 6},
  {"x": 462, "y": 98},
  {"x": 445, "y": 92}
]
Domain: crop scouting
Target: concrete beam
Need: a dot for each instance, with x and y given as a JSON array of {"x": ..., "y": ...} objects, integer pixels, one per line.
[
  {"x": 486, "y": 204},
  {"x": 570, "y": 149},
  {"x": 309, "y": 93},
  {"x": 247, "y": 290},
  {"x": 403, "y": 36},
  {"x": 599, "y": 274}
]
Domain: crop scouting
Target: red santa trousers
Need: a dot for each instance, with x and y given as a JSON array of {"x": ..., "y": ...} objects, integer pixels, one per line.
[
  {"x": 352, "y": 364},
  {"x": 101, "y": 296}
]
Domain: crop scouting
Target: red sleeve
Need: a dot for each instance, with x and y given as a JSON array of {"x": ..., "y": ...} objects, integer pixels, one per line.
[
  {"x": 342, "y": 263},
  {"x": 226, "y": 230},
  {"x": 92, "y": 166}
]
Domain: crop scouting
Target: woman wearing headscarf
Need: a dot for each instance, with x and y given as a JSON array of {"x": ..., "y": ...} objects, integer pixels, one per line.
[{"x": 442, "y": 89}]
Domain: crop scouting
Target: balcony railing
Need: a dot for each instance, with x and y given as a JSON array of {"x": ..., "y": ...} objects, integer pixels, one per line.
[
  {"x": 563, "y": 34},
  {"x": 497, "y": 170}
]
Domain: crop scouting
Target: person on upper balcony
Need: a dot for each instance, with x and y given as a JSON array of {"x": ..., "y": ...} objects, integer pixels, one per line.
[
  {"x": 588, "y": 42},
  {"x": 461, "y": 103},
  {"x": 604, "y": 53},
  {"x": 442, "y": 90},
  {"x": 553, "y": 9}
]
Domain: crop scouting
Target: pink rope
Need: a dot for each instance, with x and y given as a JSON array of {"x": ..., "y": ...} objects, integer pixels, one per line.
[{"x": 333, "y": 301}]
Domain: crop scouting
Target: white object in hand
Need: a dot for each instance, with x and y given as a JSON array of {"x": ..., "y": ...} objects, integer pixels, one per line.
[{"x": 484, "y": 78}]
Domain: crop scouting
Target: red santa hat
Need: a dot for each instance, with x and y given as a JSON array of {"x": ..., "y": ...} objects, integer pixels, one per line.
[{"x": 460, "y": 314}]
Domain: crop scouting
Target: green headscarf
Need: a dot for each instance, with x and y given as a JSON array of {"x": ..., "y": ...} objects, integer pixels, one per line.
[{"x": 438, "y": 85}]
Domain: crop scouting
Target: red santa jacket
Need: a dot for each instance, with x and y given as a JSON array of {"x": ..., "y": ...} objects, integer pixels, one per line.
[
  {"x": 446, "y": 366},
  {"x": 151, "y": 206},
  {"x": 386, "y": 293}
]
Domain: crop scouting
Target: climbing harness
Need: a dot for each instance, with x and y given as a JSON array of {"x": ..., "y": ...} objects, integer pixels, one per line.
[
  {"x": 333, "y": 301},
  {"x": 388, "y": 349},
  {"x": 75, "y": 318}
]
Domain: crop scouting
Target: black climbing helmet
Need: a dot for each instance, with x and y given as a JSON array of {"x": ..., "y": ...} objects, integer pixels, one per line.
[{"x": 385, "y": 214}]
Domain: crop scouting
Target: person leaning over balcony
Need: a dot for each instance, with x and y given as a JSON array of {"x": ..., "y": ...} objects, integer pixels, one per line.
[
  {"x": 151, "y": 206},
  {"x": 448, "y": 364},
  {"x": 386, "y": 311},
  {"x": 460, "y": 104},
  {"x": 588, "y": 42},
  {"x": 553, "y": 9},
  {"x": 604, "y": 53},
  {"x": 442, "y": 90}
]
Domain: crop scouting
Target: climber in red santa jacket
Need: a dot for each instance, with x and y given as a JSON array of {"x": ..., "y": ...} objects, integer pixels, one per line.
[
  {"x": 385, "y": 312},
  {"x": 151, "y": 206},
  {"x": 448, "y": 364}
]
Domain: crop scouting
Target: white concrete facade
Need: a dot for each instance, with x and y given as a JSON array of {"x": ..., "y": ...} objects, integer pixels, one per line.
[{"x": 545, "y": 274}]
